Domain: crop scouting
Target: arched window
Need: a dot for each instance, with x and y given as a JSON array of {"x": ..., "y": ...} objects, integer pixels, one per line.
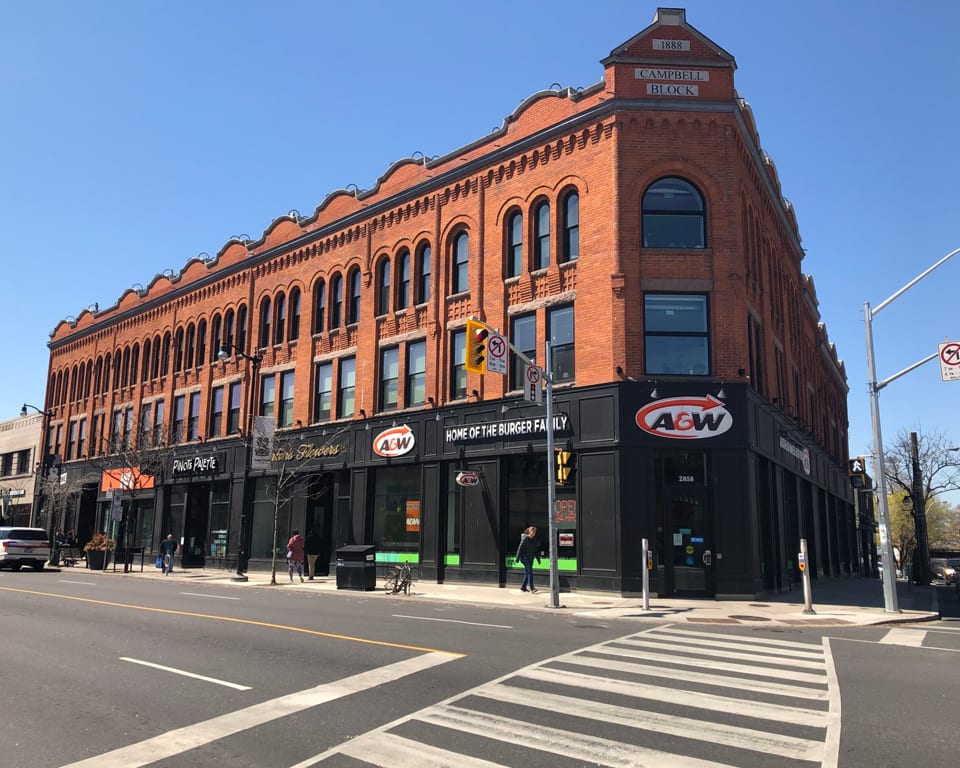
[
  {"x": 319, "y": 306},
  {"x": 541, "y": 235},
  {"x": 146, "y": 360},
  {"x": 460, "y": 279},
  {"x": 122, "y": 366},
  {"x": 354, "y": 307},
  {"x": 280, "y": 313},
  {"x": 228, "y": 337},
  {"x": 423, "y": 273},
  {"x": 216, "y": 339},
  {"x": 107, "y": 367},
  {"x": 336, "y": 297},
  {"x": 383, "y": 287},
  {"x": 155, "y": 363},
  {"x": 165, "y": 355},
  {"x": 403, "y": 279},
  {"x": 134, "y": 363},
  {"x": 293, "y": 327},
  {"x": 264, "y": 339},
  {"x": 201, "y": 342},
  {"x": 571, "y": 227},
  {"x": 673, "y": 215},
  {"x": 178, "y": 351},
  {"x": 241, "y": 327},
  {"x": 98, "y": 376},
  {"x": 82, "y": 374},
  {"x": 515, "y": 244},
  {"x": 191, "y": 346}
]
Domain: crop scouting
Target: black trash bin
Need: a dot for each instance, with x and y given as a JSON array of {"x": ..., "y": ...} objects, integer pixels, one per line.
[{"x": 357, "y": 567}]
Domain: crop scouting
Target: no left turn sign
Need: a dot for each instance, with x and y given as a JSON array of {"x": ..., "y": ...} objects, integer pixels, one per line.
[
  {"x": 496, "y": 354},
  {"x": 950, "y": 361}
]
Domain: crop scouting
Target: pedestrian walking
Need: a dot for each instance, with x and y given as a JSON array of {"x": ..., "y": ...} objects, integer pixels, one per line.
[
  {"x": 314, "y": 541},
  {"x": 526, "y": 553},
  {"x": 168, "y": 548},
  {"x": 295, "y": 555}
]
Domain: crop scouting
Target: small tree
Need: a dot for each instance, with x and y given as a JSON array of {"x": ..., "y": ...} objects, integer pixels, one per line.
[{"x": 60, "y": 488}]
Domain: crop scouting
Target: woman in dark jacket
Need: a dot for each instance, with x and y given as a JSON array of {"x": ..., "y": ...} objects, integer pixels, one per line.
[{"x": 526, "y": 552}]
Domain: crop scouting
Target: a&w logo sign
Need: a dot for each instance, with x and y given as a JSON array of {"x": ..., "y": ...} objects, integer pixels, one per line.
[
  {"x": 685, "y": 418},
  {"x": 395, "y": 441}
]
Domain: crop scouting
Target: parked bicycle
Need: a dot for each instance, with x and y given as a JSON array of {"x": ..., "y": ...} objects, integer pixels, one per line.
[{"x": 398, "y": 579}]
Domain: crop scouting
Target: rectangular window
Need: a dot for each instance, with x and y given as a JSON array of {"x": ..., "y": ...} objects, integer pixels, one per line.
[
  {"x": 144, "y": 430},
  {"x": 523, "y": 335},
  {"x": 346, "y": 387},
  {"x": 416, "y": 392},
  {"x": 127, "y": 426},
  {"x": 23, "y": 460},
  {"x": 216, "y": 412},
  {"x": 72, "y": 441},
  {"x": 6, "y": 464},
  {"x": 116, "y": 441},
  {"x": 389, "y": 378},
  {"x": 193, "y": 417},
  {"x": 458, "y": 359},
  {"x": 268, "y": 395},
  {"x": 676, "y": 338},
  {"x": 286, "y": 398},
  {"x": 562, "y": 358},
  {"x": 179, "y": 408},
  {"x": 82, "y": 439},
  {"x": 323, "y": 396},
  {"x": 158, "y": 438},
  {"x": 233, "y": 409}
]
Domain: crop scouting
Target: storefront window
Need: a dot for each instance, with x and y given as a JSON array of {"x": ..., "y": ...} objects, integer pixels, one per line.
[
  {"x": 526, "y": 500},
  {"x": 219, "y": 518},
  {"x": 396, "y": 513},
  {"x": 264, "y": 506},
  {"x": 452, "y": 554}
]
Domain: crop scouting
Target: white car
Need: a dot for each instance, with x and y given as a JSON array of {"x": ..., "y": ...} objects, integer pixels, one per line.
[{"x": 24, "y": 546}]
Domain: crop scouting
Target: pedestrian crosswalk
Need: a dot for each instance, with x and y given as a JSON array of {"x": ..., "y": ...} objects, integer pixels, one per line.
[{"x": 669, "y": 697}]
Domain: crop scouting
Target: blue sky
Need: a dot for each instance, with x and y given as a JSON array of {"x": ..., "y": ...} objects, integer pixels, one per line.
[{"x": 137, "y": 135}]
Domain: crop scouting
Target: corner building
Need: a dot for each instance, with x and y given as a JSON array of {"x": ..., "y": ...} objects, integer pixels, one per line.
[{"x": 637, "y": 225}]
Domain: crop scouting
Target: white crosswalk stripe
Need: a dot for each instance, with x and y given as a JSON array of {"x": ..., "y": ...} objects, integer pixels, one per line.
[{"x": 667, "y": 697}]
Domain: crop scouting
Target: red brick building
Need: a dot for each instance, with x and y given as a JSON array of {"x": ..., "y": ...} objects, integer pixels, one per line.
[{"x": 637, "y": 225}]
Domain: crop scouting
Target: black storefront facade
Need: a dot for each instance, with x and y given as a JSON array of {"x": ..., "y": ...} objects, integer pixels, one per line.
[{"x": 722, "y": 487}]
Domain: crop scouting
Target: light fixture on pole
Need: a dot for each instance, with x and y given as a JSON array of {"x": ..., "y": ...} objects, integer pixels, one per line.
[
  {"x": 883, "y": 517},
  {"x": 243, "y": 543},
  {"x": 46, "y": 461}
]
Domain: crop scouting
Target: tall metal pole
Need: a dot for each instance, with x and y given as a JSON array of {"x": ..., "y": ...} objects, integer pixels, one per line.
[
  {"x": 551, "y": 487},
  {"x": 889, "y": 567}
]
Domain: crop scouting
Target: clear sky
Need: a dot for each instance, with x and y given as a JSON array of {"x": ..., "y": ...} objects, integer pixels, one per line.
[{"x": 138, "y": 134}]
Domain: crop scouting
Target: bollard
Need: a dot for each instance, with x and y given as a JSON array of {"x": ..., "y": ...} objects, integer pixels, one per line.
[
  {"x": 645, "y": 550},
  {"x": 805, "y": 575}
]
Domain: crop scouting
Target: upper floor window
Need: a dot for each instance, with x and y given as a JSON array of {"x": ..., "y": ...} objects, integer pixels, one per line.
[
  {"x": 319, "y": 307},
  {"x": 541, "y": 236},
  {"x": 179, "y": 412},
  {"x": 515, "y": 244},
  {"x": 280, "y": 313},
  {"x": 158, "y": 437},
  {"x": 416, "y": 391},
  {"x": 216, "y": 342},
  {"x": 403, "y": 279},
  {"x": 523, "y": 334},
  {"x": 423, "y": 274},
  {"x": 353, "y": 310},
  {"x": 560, "y": 326},
  {"x": 268, "y": 395},
  {"x": 389, "y": 378},
  {"x": 201, "y": 342},
  {"x": 675, "y": 334},
  {"x": 323, "y": 396},
  {"x": 336, "y": 296},
  {"x": 286, "y": 398},
  {"x": 460, "y": 279},
  {"x": 673, "y": 215},
  {"x": 216, "y": 413},
  {"x": 177, "y": 353},
  {"x": 191, "y": 347},
  {"x": 571, "y": 228},
  {"x": 458, "y": 370},
  {"x": 193, "y": 418},
  {"x": 383, "y": 287},
  {"x": 293, "y": 328},
  {"x": 264, "y": 340},
  {"x": 346, "y": 387},
  {"x": 241, "y": 327},
  {"x": 228, "y": 329},
  {"x": 233, "y": 409}
]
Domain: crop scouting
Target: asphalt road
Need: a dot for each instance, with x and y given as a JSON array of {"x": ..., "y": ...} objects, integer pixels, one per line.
[{"x": 128, "y": 672}]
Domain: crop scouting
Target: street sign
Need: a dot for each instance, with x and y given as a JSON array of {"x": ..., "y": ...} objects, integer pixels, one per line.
[
  {"x": 497, "y": 353},
  {"x": 468, "y": 479},
  {"x": 532, "y": 390},
  {"x": 950, "y": 361}
]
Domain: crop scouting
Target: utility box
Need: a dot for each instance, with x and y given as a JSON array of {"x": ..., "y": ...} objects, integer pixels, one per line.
[{"x": 357, "y": 567}]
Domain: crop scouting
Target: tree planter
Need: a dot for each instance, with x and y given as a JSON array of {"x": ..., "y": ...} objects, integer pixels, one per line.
[{"x": 97, "y": 559}]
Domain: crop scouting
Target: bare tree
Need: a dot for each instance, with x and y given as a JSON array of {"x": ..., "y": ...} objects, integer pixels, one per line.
[{"x": 60, "y": 489}]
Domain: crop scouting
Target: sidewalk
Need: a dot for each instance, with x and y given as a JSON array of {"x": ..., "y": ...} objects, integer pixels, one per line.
[{"x": 841, "y": 602}]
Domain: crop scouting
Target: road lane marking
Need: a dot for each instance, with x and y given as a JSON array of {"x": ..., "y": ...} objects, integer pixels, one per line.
[
  {"x": 180, "y": 740},
  {"x": 452, "y": 621},
  {"x": 392, "y": 751},
  {"x": 910, "y": 637},
  {"x": 766, "y": 658},
  {"x": 215, "y": 597},
  {"x": 235, "y": 686},
  {"x": 85, "y": 583},
  {"x": 233, "y": 620}
]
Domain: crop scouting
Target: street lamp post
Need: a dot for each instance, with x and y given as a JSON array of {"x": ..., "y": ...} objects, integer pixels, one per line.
[
  {"x": 243, "y": 545},
  {"x": 883, "y": 518},
  {"x": 44, "y": 465}
]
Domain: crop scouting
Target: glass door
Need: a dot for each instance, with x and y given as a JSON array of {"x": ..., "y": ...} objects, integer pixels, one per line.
[{"x": 688, "y": 537}]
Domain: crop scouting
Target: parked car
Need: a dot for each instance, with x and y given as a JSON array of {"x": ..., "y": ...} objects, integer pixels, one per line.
[
  {"x": 24, "y": 546},
  {"x": 950, "y": 570}
]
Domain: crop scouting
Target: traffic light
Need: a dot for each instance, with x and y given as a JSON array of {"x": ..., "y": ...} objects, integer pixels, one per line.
[
  {"x": 857, "y": 471},
  {"x": 565, "y": 464},
  {"x": 476, "y": 359}
]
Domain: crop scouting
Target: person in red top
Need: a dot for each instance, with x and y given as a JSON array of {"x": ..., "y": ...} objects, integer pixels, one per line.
[{"x": 295, "y": 555}]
